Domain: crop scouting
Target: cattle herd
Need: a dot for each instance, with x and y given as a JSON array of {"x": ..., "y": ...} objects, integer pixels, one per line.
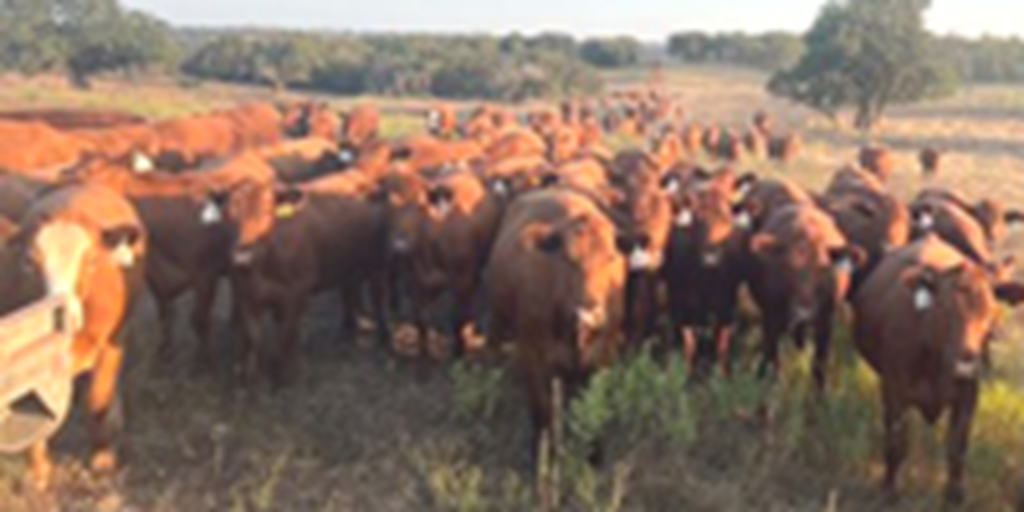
[{"x": 558, "y": 252}]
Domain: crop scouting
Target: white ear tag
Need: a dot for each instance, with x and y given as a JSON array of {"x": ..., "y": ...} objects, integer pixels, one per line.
[
  {"x": 211, "y": 214},
  {"x": 346, "y": 156},
  {"x": 123, "y": 255},
  {"x": 923, "y": 299},
  {"x": 684, "y": 219},
  {"x": 500, "y": 188},
  {"x": 926, "y": 221},
  {"x": 640, "y": 259},
  {"x": 743, "y": 220},
  {"x": 743, "y": 190},
  {"x": 672, "y": 187},
  {"x": 141, "y": 164}
]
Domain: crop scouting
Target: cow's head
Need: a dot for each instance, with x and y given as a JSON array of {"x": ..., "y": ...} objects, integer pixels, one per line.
[
  {"x": 563, "y": 142},
  {"x": 961, "y": 305},
  {"x": 250, "y": 210},
  {"x": 812, "y": 273},
  {"x": 647, "y": 212},
  {"x": 591, "y": 274},
  {"x": 66, "y": 255},
  {"x": 704, "y": 217}
]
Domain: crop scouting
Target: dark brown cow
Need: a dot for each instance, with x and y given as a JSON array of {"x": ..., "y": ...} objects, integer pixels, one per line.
[
  {"x": 868, "y": 215},
  {"x": 922, "y": 322},
  {"x": 764, "y": 197},
  {"x": 556, "y": 284},
  {"x": 931, "y": 161},
  {"x": 957, "y": 227},
  {"x": 644, "y": 220},
  {"x": 441, "y": 233},
  {"x": 16, "y": 195},
  {"x": 300, "y": 160},
  {"x": 880, "y": 161},
  {"x": 704, "y": 267},
  {"x": 296, "y": 241},
  {"x": 802, "y": 271},
  {"x": 86, "y": 244}
]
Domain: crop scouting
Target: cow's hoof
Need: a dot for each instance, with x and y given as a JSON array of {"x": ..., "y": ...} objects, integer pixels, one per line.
[{"x": 103, "y": 461}]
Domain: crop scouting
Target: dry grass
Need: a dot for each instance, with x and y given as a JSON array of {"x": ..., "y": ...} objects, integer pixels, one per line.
[{"x": 362, "y": 431}]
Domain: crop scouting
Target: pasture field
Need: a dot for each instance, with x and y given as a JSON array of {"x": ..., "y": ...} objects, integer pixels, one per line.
[{"x": 361, "y": 431}]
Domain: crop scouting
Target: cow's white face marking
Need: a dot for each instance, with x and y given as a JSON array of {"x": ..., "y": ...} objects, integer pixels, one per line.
[
  {"x": 211, "y": 213},
  {"x": 684, "y": 218},
  {"x": 923, "y": 299},
  {"x": 966, "y": 369},
  {"x": 592, "y": 318},
  {"x": 712, "y": 259},
  {"x": 123, "y": 255},
  {"x": 499, "y": 187},
  {"x": 641, "y": 259},
  {"x": 62, "y": 248},
  {"x": 142, "y": 164},
  {"x": 346, "y": 156},
  {"x": 743, "y": 220}
]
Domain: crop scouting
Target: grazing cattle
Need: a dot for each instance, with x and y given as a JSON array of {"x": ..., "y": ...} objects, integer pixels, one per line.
[
  {"x": 360, "y": 126},
  {"x": 442, "y": 121},
  {"x": 878, "y": 160},
  {"x": 931, "y": 161},
  {"x": 868, "y": 215},
  {"x": 188, "y": 247},
  {"x": 74, "y": 119},
  {"x": 704, "y": 268},
  {"x": 441, "y": 233},
  {"x": 86, "y": 243},
  {"x": 555, "y": 283},
  {"x": 563, "y": 144},
  {"x": 801, "y": 273},
  {"x": 922, "y": 321},
  {"x": 291, "y": 242}
]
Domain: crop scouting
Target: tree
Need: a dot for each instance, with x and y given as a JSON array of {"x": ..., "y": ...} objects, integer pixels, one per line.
[
  {"x": 619, "y": 52},
  {"x": 865, "y": 55}
]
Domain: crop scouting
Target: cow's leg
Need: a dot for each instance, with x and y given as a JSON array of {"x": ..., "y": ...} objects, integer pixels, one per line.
[
  {"x": 538, "y": 392},
  {"x": 104, "y": 407},
  {"x": 248, "y": 319},
  {"x": 349, "y": 293},
  {"x": 772, "y": 328},
  {"x": 379, "y": 301},
  {"x": 690, "y": 348},
  {"x": 723, "y": 345},
  {"x": 462, "y": 312},
  {"x": 288, "y": 317},
  {"x": 40, "y": 465},
  {"x": 822, "y": 347},
  {"x": 634, "y": 308},
  {"x": 167, "y": 312},
  {"x": 958, "y": 437},
  {"x": 896, "y": 435},
  {"x": 202, "y": 314}
]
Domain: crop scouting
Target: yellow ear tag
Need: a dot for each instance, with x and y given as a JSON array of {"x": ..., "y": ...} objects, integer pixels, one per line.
[{"x": 285, "y": 211}]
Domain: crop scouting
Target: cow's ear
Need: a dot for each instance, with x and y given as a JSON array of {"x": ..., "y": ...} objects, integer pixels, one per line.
[
  {"x": 501, "y": 187},
  {"x": 551, "y": 243},
  {"x": 549, "y": 179},
  {"x": 746, "y": 182},
  {"x": 1011, "y": 293},
  {"x": 762, "y": 244},
  {"x": 120, "y": 242},
  {"x": 624, "y": 243},
  {"x": 1014, "y": 217}
]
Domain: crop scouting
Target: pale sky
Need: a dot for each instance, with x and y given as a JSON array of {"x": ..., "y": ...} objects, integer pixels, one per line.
[{"x": 646, "y": 19}]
